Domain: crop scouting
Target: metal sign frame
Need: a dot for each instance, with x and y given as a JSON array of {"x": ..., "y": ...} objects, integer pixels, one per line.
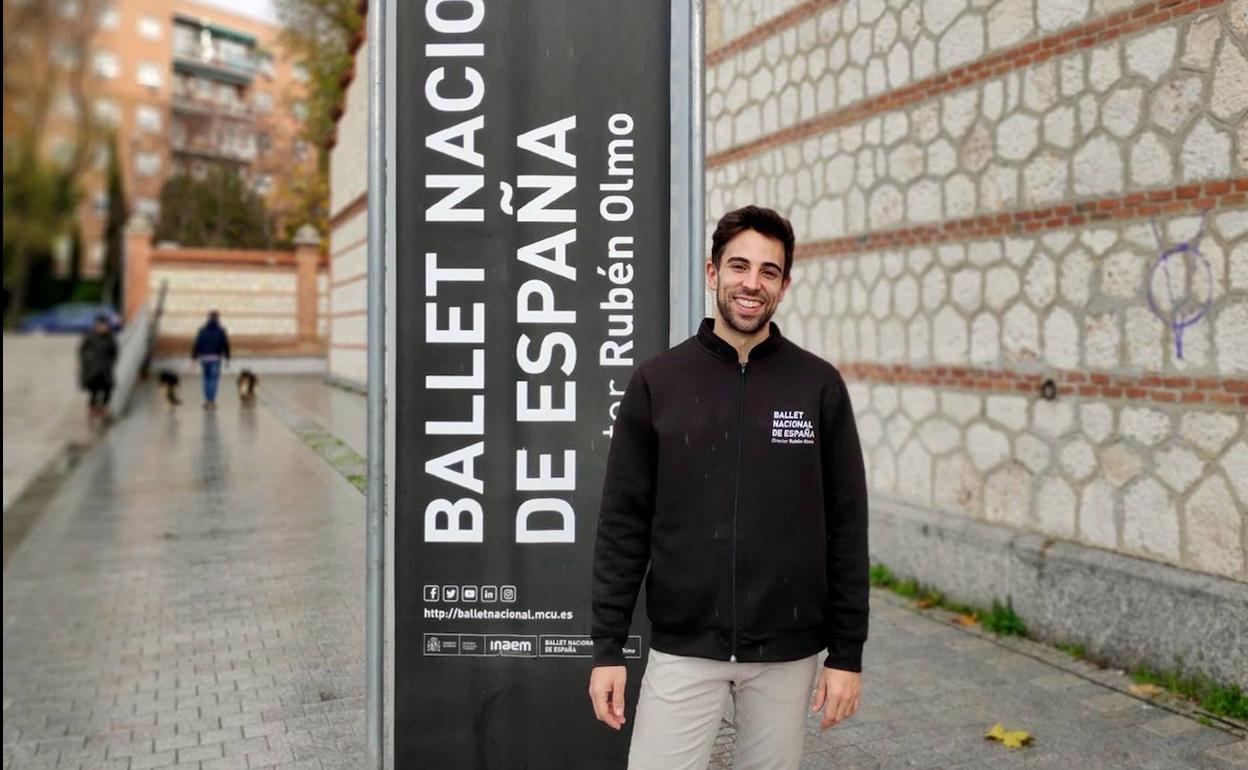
[{"x": 686, "y": 298}]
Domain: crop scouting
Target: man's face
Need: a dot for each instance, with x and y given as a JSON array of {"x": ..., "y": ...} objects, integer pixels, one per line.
[{"x": 749, "y": 282}]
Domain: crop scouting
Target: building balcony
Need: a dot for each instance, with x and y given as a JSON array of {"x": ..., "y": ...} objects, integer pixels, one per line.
[
  {"x": 189, "y": 105},
  {"x": 214, "y": 150},
  {"x": 196, "y": 60}
]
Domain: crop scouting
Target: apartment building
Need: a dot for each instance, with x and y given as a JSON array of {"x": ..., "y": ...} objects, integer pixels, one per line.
[{"x": 184, "y": 86}]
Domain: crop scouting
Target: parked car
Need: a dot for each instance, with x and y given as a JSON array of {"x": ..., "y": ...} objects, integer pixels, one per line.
[{"x": 69, "y": 317}]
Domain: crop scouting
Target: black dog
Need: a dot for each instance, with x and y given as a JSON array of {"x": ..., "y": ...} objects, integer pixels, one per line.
[
  {"x": 168, "y": 380},
  {"x": 247, "y": 382}
]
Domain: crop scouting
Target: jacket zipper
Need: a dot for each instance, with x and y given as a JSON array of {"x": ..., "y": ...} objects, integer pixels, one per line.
[{"x": 736, "y": 502}]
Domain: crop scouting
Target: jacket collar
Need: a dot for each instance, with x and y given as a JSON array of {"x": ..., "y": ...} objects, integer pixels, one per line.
[{"x": 719, "y": 347}]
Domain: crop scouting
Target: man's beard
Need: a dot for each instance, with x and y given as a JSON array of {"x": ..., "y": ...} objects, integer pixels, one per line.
[{"x": 723, "y": 300}]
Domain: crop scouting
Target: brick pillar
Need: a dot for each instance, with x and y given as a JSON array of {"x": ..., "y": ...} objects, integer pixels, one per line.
[
  {"x": 138, "y": 263},
  {"x": 307, "y": 255}
]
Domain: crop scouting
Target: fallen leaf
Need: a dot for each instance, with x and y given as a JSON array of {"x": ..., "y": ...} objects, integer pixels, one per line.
[
  {"x": 966, "y": 620},
  {"x": 1012, "y": 739},
  {"x": 922, "y": 603},
  {"x": 1148, "y": 690}
]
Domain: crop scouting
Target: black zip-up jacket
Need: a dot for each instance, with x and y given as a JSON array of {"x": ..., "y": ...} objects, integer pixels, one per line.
[{"x": 741, "y": 487}]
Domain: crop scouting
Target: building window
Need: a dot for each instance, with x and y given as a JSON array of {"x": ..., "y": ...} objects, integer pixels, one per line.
[
  {"x": 106, "y": 64},
  {"x": 262, "y": 101},
  {"x": 149, "y": 74},
  {"x": 61, "y": 150},
  {"x": 99, "y": 203},
  {"x": 263, "y": 184},
  {"x": 66, "y": 106},
  {"x": 102, "y": 156},
  {"x": 147, "y": 118},
  {"x": 299, "y": 73},
  {"x": 149, "y": 27},
  {"x": 299, "y": 109},
  {"x": 148, "y": 207},
  {"x": 147, "y": 163},
  {"x": 299, "y": 148},
  {"x": 70, "y": 9},
  {"x": 107, "y": 112},
  {"x": 109, "y": 17},
  {"x": 64, "y": 55}
]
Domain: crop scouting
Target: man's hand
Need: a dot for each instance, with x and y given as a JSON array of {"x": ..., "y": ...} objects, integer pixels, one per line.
[
  {"x": 837, "y": 694},
  {"x": 606, "y": 691}
]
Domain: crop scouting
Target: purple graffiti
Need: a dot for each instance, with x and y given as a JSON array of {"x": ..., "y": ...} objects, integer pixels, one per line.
[{"x": 1185, "y": 252}]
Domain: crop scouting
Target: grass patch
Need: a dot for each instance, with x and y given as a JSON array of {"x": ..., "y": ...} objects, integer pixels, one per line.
[
  {"x": 1002, "y": 620},
  {"x": 1226, "y": 700},
  {"x": 1073, "y": 650},
  {"x": 358, "y": 480}
]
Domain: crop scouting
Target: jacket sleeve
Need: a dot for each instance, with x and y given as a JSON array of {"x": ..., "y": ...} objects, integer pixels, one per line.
[
  {"x": 845, "y": 514},
  {"x": 225, "y": 344},
  {"x": 197, "y": 348},
  {"x": 622, "y": 545}
]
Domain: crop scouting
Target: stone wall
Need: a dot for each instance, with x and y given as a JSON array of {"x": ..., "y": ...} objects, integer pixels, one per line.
[
  {"x": 348, "y": 236},
  {"x": 983, "y": 193}
]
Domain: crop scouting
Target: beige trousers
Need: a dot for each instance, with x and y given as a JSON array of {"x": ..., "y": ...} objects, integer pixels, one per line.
[{"x": 683, "y": 700}]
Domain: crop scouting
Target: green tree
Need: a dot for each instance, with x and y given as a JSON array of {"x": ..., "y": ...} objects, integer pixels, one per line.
[
  {"x": 219, "y": 210},
  {"x": 317, "y": 36},
  {"x": 114, "y": 228},
  {"x": 46, "y": 59}
]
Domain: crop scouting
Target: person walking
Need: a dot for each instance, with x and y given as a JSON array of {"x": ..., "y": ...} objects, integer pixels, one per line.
[
  {"x": 211, "y": 350},
  {"x": 97, "y": 356},
  {"x": 735, "y": 486}
]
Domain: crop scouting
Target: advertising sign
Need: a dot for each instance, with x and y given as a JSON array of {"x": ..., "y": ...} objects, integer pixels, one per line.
[{"x": 531, "y": 276}]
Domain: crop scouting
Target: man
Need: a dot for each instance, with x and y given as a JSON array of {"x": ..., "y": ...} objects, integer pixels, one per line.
[
  {"x": 97, "y": 356},
  {"x": 735, "y": 475},
  {"x": 211, "y": 349}
]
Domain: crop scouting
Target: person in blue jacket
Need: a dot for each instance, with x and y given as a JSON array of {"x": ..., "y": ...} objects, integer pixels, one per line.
[{"x": 211, "y": 350}]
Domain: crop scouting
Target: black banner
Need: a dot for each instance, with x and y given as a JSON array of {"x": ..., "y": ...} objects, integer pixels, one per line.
[{"x": 531, "y": 276}]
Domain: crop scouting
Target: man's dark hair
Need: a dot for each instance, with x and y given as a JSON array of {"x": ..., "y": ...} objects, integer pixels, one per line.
[{"x": 762, "y": 220}]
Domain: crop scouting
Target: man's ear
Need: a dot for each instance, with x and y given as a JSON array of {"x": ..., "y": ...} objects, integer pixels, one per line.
[{"x": 712, "y": 276}]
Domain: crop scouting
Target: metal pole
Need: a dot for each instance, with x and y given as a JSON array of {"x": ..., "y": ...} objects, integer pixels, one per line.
[
  {"x": 374, "y": 641},
  {"x": 686, "y": 248},
  {"x": 697, "y": 179}
]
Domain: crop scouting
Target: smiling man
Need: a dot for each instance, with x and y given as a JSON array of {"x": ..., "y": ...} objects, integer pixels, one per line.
[{"x": 735, "y": 477}]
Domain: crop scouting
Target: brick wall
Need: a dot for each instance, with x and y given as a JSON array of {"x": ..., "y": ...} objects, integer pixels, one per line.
[
  {"x": 258, "y": 302},
  {"x": 983, "y": 193}
]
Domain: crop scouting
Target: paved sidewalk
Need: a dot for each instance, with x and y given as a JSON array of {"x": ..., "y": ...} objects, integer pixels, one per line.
[
  {"x": 191, "y": 597},
  {"x": 44, "y": 410}
]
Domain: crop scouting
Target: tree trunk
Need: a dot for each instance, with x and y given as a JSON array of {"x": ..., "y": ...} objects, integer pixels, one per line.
[{"x": 17, "y": 289}]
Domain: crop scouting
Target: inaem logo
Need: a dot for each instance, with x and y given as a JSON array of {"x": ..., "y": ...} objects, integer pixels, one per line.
[{"x": 521, "y": 646}]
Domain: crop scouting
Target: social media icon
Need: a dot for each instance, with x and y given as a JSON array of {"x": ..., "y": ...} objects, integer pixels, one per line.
[
  {"x": 468, "y": 593},
  {"x": 508, "y": 593},
  {"x": 432, "y": 593},
  {"x": 489, "y": 593},
  {"x": 450, "y": 593}
]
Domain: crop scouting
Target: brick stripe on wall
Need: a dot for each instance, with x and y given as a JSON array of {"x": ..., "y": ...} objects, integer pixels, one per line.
[
  {"x": 1098, "y": 31},
  {"x": 1212, "y": 194},
  {"x": 795, "y": 15},
  {"x": 1129, "y": 387}
]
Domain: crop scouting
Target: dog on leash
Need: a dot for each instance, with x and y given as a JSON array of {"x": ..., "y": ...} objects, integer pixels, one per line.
[
  {"x": 247, "y": 382},
  {"x": 168, "y": 381}
]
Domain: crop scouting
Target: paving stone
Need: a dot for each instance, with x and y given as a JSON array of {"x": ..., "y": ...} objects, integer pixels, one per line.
[{"x": 213, "y": 564}]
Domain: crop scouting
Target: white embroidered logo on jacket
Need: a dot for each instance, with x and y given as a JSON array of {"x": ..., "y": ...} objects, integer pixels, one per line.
[{"x": 791, "y": 426}]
